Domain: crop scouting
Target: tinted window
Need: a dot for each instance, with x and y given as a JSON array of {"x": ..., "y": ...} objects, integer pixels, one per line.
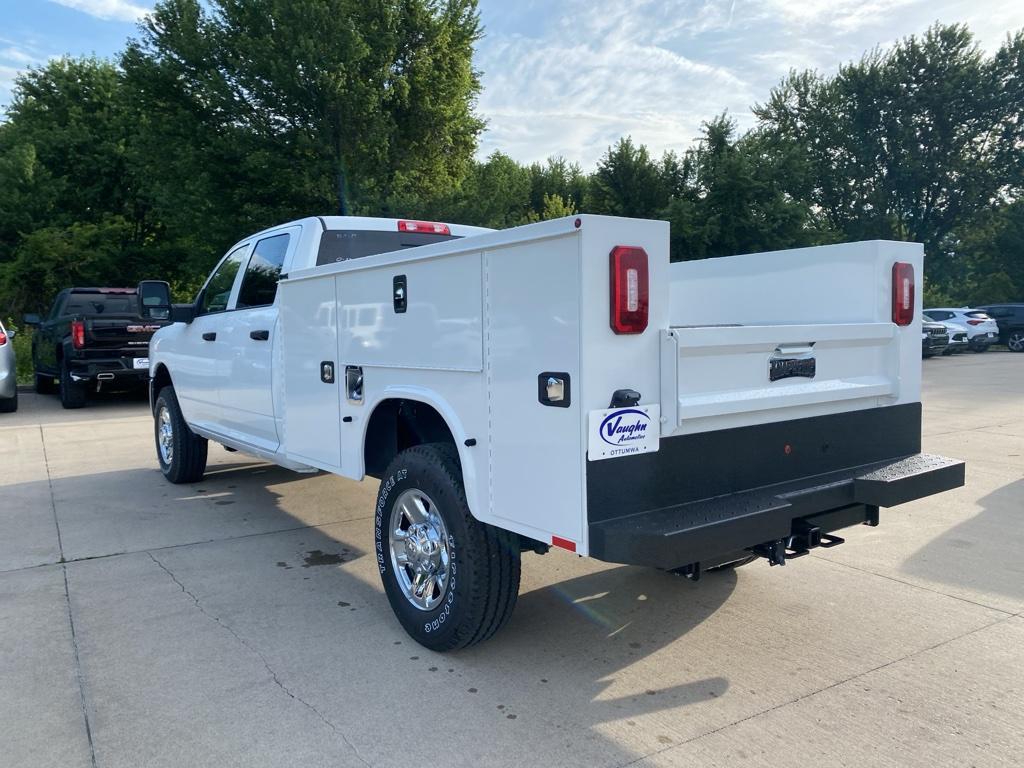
[
  {"x": 100, "y": 304},
  {"x": 259, "y": 286},
  {"x": 343, "y": 244},
  {"x": 218, "y": 290},
  {"x": 998, "y": 312}
]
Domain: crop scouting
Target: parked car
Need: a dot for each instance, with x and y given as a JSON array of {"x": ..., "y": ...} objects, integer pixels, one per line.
[
  {"x": 8, "y": 372},
  {"x": 934, "y": 339},
  {"x": 559, "y": 384},
  {"x": 95, "y": 337},
  {"x": 982, "y": 331},
  {"x": 957, "y": 339},
  {"x": 1010, "y": 319}
]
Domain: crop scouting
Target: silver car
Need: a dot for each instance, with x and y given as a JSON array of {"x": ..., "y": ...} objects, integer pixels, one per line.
[{"x": 8, "y": 372}]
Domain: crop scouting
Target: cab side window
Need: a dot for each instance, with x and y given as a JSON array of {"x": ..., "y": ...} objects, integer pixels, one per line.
[
  {"x": 259, "y": 286},
  {"x": 214, "y": 297}
]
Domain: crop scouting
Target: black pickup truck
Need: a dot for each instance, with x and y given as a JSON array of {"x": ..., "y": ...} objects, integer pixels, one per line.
[{"x": 96, "y": 337}]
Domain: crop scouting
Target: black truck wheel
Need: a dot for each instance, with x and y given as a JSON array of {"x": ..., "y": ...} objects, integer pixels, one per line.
[
  {"x": 72, "y": 393},
  {"x": 9, "y": 404},
  {"x": 181, "y": 452},
  {"x": 44, "y": 384},
  {"x": 452, "y": 581}
]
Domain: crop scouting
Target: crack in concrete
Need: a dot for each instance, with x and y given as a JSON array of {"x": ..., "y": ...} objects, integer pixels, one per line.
[
  {"x": 223, "y": 540},
  {"x": 67, "y": 601},
  {"x": 263, "y": 659},
  {"x": 809, "y": 694}
]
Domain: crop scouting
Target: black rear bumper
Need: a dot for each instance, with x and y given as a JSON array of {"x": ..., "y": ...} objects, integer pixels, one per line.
[
  {"x": 115, "y": 368},
  {"x": 705, "y": 498}
]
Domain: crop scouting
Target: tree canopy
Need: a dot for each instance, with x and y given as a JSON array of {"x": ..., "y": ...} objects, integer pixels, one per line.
[{"x": 226, "y": 116}]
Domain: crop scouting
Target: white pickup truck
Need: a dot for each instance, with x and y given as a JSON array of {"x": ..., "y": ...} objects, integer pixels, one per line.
[{"x": 557, "y": 384}]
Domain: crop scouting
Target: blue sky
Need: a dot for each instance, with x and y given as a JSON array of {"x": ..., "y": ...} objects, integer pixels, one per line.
[{"x": 570, "y": 77}]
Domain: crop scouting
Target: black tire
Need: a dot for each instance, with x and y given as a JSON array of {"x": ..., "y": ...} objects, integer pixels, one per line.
[
  {"x": 9, "y": 404},
  {"x": 979, "y": 347},
  {"x": 185, "y": 462},
  {"x": 1015, "y": 341},
  {"x": 484, "y": 562},
  {"x": 44, "y": 384},
  {"x": 72, "y": 393}
]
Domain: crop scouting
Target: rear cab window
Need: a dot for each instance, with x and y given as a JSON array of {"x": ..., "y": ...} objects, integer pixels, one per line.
[
  {"x": 343, "y": 244},
  {"x": 101, "y": 304},
  {"x": 259, "y": 284}
]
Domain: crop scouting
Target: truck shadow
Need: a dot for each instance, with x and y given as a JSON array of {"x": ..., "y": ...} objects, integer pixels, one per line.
[
  {"x": 979, "y": 553},
  {"x": 297, "y": 587}
]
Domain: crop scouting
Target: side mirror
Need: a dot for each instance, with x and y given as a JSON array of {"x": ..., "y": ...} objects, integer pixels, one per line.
[
  {"x": 183, "y": 313},
  {"x": 155, "y": 299},
  {"x": 11, "y": 333},
  {"x": 32, "y": 320}
]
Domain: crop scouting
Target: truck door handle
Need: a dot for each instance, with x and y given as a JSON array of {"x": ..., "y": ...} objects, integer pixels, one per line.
[
  {"x": 259, "y": 335},
  {"x": 210, "y": 336}
]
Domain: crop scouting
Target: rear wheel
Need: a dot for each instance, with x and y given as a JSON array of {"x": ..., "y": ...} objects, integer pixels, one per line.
[
  {"x": 979, "y": 347},
  {"x": 72, "y": 393},
  {"x": 1015, "y": 341},
  {"x": 9, "y": 404},
  {"x": 452, "y": 581},
  {"x": 181, "y": 452}
]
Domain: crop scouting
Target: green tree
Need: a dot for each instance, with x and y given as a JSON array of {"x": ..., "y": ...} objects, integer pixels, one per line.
[
  {"x": 907, "y": 144},
  {"x": 627, "y": 182},
  {"x": 258, "y": 110}
]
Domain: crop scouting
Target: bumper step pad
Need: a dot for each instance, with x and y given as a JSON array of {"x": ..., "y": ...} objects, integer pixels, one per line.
[{"x": 688, "y": 533}]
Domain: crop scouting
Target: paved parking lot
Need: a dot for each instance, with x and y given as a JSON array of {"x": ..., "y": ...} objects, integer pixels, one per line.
[{"x": 239, "y": 622}]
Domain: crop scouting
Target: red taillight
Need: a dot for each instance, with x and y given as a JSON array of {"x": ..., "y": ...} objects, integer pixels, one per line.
[
  {"x": 3, "y": 338},
  {"x": 902, "y": 293},
  {"x": 975, "y": 322},
  {"x": 426, "y": 227},
  {"x": 629, "y": 289},
  {"x": 77, "y": 334}
]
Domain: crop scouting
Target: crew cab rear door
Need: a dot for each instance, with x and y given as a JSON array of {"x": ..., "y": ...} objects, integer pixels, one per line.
[{"x": 248, "y": 333}]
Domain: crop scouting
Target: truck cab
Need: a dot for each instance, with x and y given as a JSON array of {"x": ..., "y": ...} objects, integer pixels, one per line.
[{"x": 559, "y": 384}]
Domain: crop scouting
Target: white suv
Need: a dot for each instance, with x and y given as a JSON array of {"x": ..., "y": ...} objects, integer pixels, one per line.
[{"x": 982, "y": 330}]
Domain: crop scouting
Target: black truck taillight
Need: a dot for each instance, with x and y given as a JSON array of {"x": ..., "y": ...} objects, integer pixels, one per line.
[
  {"x": 78, "y": 334},
  {"x": 902, "y": 293},
  {"x": 629, "y": 289}
]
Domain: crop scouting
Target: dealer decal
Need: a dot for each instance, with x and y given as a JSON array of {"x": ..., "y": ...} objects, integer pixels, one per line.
[{"x": 624, "y": 431}]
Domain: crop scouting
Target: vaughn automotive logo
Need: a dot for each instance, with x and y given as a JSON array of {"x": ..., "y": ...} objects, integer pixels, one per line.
[{"x": 623, "y": 431}]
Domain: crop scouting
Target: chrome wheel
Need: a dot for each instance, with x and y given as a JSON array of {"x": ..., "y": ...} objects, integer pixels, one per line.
[
  {"x": 165, "y": 435},
  {"x": 1016, "y": 342},
  {"x": 420, "y": 556}
]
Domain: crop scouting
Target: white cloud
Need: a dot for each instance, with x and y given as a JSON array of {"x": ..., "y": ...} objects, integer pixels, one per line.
[
  {"x": 112, "y": 10},
  {"x": 572, "y": 77}
]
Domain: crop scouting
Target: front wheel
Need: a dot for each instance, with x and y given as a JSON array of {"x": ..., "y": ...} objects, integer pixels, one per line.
[
  {"x": 9, "y": 404},
  {"x": 181, "y": 452},
  {"x": 1015, "y": 341},
  {"x": 452, "y": 581}
]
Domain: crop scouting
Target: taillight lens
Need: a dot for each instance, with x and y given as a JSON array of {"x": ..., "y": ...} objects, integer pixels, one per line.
[
  {"x": 975, "y": 322},
  {"x": 77, "y": 334},
  {"x": 3, "y": 338},
  {"x": 902, "y": 293},
  {"x": 629, "y": 289},
  {"x": 426, "y": 227}
]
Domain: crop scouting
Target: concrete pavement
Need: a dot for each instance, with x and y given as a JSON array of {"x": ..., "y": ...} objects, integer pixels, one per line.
[{"x": 239, "y": 621}]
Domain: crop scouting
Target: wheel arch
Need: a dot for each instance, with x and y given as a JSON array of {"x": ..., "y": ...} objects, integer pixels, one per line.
[
  {"x": 161, "y": 378},
  {"x": 406, "y": 417}
]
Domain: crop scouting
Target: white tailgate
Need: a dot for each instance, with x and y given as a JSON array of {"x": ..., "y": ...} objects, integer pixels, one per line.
[
  {"x": 716, "y": 371},
  {"x": 786, "y": 335}
]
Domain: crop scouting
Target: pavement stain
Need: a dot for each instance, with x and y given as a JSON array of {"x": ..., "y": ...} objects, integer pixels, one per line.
[{"x": 317, "y": 557}]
